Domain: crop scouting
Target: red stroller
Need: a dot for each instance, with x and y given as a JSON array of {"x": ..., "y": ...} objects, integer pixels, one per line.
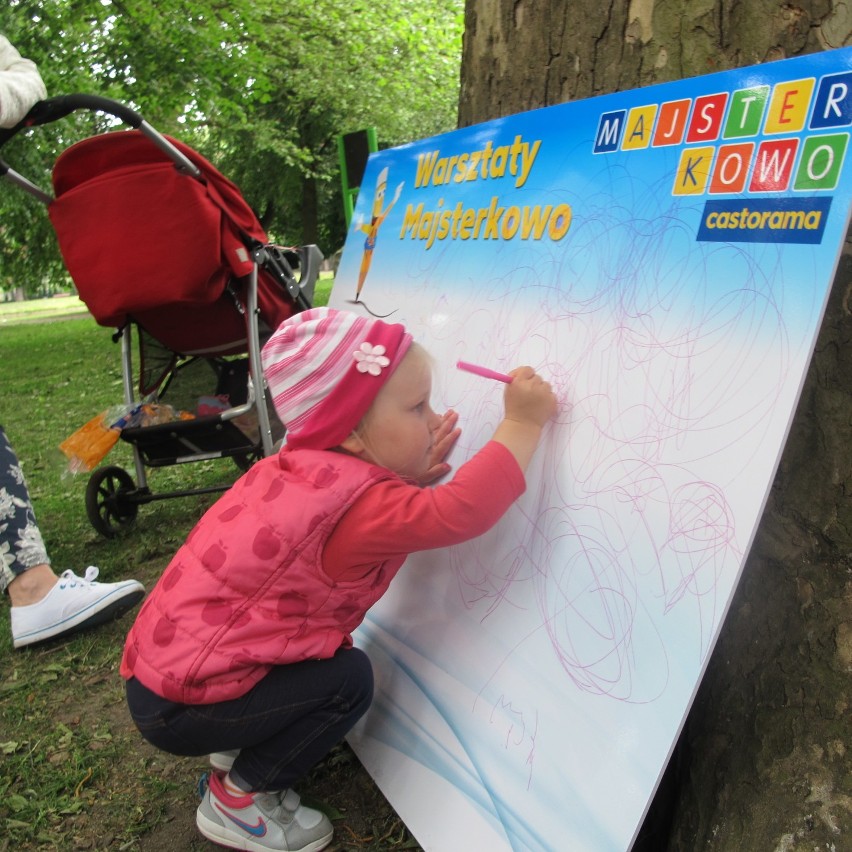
[{"x": 203, "y": 289}]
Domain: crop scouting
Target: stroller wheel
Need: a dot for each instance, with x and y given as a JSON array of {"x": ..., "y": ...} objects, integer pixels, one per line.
[{"x": 108, "y": 505}]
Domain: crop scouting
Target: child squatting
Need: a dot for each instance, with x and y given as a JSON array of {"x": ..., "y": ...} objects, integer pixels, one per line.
[{"x": 243, "y": 650}]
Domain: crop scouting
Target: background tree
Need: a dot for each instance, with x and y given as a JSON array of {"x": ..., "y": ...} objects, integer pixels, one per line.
[
  {"x": 260, "y": 87},
  {"x": 764, "y": 760}
]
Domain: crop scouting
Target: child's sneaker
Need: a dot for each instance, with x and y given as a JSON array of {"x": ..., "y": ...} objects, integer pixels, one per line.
[
  {"x": 74, "y": 603},
  {"x": 261, "y": 821}
]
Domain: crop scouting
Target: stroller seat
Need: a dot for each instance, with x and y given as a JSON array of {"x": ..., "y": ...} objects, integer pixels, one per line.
[
  {"x": 143, "y": 240},
  {"x": 160, "y": 244}
]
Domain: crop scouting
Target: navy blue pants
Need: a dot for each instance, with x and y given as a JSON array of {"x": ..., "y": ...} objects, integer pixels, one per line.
[{"x": 283, "y": 727}]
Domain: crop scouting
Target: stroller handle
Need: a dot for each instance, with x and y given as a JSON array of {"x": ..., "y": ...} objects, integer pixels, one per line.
[{"x": 54, "y": 109}]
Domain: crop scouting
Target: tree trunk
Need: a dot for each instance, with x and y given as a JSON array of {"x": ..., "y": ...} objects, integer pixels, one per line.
[
  {"x": 310, "y": 211},
  {"x": 524, "y": 54},
  {"x": 764, "y": 760}
]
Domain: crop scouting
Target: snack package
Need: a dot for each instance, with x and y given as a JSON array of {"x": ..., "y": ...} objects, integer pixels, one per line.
[
  {"x": 154, "y": 414},
  {"x": 90, "y": 443},
  {"x": 87, "y": 447}
]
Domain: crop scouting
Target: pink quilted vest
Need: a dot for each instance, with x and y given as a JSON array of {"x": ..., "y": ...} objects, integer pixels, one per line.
[{"x": 247, "y": 592}]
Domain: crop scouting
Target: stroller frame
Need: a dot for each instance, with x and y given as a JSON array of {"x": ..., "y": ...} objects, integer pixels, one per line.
[{"x": 112, "y": 496}]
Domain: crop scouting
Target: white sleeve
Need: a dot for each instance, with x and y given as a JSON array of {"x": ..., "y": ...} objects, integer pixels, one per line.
[{"x": 20, "y": 84}]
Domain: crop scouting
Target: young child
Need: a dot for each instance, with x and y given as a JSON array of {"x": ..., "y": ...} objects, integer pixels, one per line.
[{"x": 244, "y": 646}]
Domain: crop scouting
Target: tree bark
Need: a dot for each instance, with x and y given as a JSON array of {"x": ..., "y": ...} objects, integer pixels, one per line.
[
  {"x": 310, "y": 211},
  {"x": 524, "y": 54},
  {"x": 764, "y": 761}
]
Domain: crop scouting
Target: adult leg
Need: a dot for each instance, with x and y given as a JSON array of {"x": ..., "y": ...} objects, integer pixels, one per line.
[
  {"x": 45, "y": 606},
  {"x": 21, "y": 544}
]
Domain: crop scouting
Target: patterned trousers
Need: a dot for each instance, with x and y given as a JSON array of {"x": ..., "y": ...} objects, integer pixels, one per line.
[{"x": 21, "y": 544}]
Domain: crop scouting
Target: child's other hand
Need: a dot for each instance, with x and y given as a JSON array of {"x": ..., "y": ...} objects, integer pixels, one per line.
[
  {"x": 529, "y": 398},
  {"x": 443, "y": 440}
]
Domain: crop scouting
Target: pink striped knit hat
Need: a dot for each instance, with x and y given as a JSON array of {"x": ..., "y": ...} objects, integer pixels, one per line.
[{"x": 324, "y": 368}]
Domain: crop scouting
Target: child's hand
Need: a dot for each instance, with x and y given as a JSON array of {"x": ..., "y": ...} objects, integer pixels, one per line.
[
  {"x": 529, "y": 399},
  {"x": 530, "y": 403},
  {"x": 443, "y": 440}
]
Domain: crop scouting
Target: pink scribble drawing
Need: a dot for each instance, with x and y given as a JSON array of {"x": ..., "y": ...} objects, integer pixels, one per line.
[{"x": 629, "y": 524}]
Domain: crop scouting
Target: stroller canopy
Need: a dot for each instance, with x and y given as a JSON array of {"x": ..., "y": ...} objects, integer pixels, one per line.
[{"x": 146, "y": 242}]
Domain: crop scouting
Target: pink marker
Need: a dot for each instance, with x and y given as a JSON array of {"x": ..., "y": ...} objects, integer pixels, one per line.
[{"x": 484, "y": 372}]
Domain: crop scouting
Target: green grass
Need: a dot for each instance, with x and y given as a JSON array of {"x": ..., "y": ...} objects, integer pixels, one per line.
[
  {"x": 58, "y": 760},
  {"x": 323, "y": 289},
  {"x": 40, "y": 309}
]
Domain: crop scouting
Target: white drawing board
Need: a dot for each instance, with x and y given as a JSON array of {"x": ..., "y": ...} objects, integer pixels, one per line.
[{"x": 663, "y": 257}]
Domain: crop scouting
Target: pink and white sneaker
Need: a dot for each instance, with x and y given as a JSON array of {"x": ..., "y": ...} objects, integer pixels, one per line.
[{"x": 260, "y": 821}]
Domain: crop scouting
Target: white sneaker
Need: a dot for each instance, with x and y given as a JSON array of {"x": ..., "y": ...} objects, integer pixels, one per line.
[{"x": 74, "y": 603}]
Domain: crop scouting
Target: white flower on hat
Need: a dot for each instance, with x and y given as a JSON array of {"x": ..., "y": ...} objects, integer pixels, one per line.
[{"x": 370, "y": 359}]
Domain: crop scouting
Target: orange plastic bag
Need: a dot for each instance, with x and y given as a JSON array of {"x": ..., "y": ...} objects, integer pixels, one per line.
[{"x": 89, "y": 444}]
